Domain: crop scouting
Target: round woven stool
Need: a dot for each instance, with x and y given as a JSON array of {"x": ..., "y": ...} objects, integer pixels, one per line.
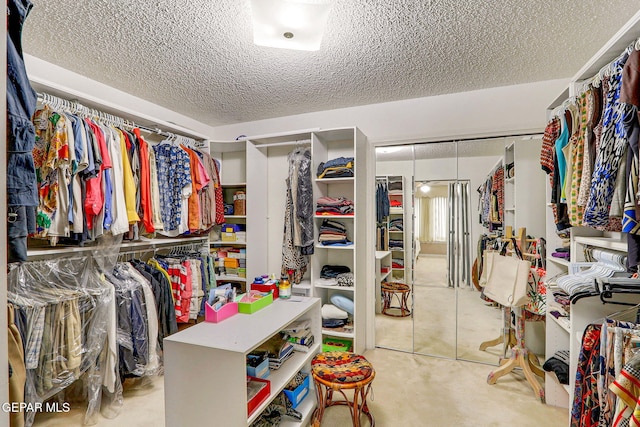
[
  {"x": 340, "y": 371},
  {"x": 401, "y": 292}
]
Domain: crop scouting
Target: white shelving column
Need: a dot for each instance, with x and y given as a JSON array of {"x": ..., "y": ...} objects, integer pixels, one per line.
[
  {"x": 233, "y": 176},
  {"x": 327, "y": 145}
]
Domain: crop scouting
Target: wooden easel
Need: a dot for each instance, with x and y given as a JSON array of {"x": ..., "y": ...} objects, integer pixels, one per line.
[{"x": 520, "y": 355}]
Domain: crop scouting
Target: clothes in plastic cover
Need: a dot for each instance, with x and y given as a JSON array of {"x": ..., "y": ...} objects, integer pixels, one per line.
[{"x": 70, "y": 323}]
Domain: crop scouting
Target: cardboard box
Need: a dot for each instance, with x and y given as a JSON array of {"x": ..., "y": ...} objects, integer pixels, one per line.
[
  {"x": 230, "y": 228},
  {"x": 228, "y": 237},
  {"x": 260, "y": 371},
  {"x": 231, "y": 262}
]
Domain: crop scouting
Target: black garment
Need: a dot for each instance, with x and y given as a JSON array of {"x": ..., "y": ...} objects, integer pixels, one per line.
[
  {"x": 332, "y": 271},
  {"x": 164, "y": 300}
]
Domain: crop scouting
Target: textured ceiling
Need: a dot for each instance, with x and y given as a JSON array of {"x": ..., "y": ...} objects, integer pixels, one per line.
[{"x": 198, "y": 57}]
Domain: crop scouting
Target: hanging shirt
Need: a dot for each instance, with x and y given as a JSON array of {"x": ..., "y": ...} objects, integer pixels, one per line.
[
  {"x": 120, "y": 220},
  {"x": 156, "y": 209},
  {"x": 174, "y": 181},
  {"x": 561, "y": 142},
  {"x": 199, "y": 179},
  {"x": 129, "y": 183},
  {"x": 63, "y": 135},
  {"x": 45, "y": 157},
  {"x": 208, "y": 194},
  {"x": 94, "y": 199},
  {"x": 145, "y": 184}
]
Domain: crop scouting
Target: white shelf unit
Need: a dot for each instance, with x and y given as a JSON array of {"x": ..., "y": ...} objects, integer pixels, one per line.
[
  {"x": 232, "y": 158},
  {"x": 266, "y": 182},
  {"x": 563, "y": 335},
  {"x": 358, "y": 257},
  {"x": 524, "y": 193},
  {"x": 211, "y": 358},
  {"x": 383, "y": 260},
  {"x": 405, "y": 196}
]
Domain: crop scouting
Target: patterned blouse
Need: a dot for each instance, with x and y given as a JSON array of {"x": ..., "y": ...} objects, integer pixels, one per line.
[{"x": 174, "y": 174}]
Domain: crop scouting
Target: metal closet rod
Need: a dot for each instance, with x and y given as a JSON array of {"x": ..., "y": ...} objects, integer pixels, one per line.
[{"x": 76, "y": 107}]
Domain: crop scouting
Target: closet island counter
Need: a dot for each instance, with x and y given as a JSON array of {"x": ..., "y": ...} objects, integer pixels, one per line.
[{"x": 205, "y": 365}]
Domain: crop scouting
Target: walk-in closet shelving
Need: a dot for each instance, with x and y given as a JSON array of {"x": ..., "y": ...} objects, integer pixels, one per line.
[
  {"x": 400, "y": 212},
  {"x": 266, "y": 195},
  {"x": 232, "y": 158},
  {"x": 561, "y": 336}
]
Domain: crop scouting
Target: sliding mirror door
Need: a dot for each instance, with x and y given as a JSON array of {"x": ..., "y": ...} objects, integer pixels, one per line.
[
  {"x": 480, "y": 213},
  {"x": 450, "y": 199},
  {"x": 394, "y": 302},
  {"x": 435, "y": 201}
]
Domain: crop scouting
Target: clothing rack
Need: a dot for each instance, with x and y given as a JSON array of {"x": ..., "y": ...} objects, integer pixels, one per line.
[
  {"x": 607, "y": 287},
  {"x": 74, "y": 107}
]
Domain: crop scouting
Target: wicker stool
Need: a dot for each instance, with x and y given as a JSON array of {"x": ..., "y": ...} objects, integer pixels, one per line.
[
  {"x": 340, "y": 371},
  {"x": 401, "y": 292}
]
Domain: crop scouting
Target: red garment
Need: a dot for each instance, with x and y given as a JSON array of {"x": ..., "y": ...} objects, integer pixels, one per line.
[
  {"x": 94, "y": 200},
  {"x": 219, "y": 199},
  {"x": 198, "y": 182},
  {"x": 145, "y": 184}
]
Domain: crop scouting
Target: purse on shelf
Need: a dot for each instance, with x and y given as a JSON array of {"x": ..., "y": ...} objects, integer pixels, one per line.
[{"x": 507, "y": 277}]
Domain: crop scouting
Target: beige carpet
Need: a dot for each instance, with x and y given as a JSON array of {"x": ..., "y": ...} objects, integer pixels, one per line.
[
  {"x": 409, "y": 390},
  {"x": 432, "y": 329}
]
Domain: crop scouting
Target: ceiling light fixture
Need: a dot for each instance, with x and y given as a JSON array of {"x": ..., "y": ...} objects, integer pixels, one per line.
[
  {"x": 425, "y": 188},
  {"x": 289, "y": 24}
]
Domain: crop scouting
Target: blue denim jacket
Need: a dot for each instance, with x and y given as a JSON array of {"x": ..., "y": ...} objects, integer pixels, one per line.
[{"x": 21, "y": 104}]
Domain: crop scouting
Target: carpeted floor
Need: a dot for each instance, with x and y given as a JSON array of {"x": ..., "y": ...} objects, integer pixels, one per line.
[
  {"x": 432, "y": 330},
  {"x": 409, "y": 390}
]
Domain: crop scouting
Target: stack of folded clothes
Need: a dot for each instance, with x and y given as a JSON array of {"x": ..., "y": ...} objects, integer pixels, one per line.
[
  {"x": 561, "y": 253},
  {"x": 397, "y": 263},
  {"x": 333, "y": 233},
  {"x": 332, "y": 271},
  {"x": 334, "y": 206},
  {"x": 395, "y": 203},
  {"x": 396, "y": 225},
  {"x": 333, "y": 317},
  {"x": 396, "y": 245},
  {"x": 336, "y": 168}
]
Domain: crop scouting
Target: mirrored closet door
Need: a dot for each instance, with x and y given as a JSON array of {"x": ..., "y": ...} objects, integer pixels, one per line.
[{"x": 452, "y": 194}]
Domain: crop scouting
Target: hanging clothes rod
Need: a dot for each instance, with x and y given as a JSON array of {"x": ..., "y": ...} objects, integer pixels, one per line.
[
  {"x": 75, "y": 107},
  {"x": 303, "y": 142}
]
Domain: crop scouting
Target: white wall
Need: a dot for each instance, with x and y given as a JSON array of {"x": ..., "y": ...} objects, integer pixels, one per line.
[
  {"x": 488, "y": 112},
  {"x": 55, "y": 80}
]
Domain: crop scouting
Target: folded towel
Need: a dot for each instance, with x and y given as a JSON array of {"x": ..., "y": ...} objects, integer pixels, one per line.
[{"x": 330, "y": 311}]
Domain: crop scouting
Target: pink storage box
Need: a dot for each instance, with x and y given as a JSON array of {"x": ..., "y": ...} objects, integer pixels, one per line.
[{"x": 215, "y": 316}]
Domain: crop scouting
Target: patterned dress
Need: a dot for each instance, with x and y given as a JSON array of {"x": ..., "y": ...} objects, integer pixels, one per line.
[
  {"x": 609, "y": 155},
  {"x": 585, "y": 411}
]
